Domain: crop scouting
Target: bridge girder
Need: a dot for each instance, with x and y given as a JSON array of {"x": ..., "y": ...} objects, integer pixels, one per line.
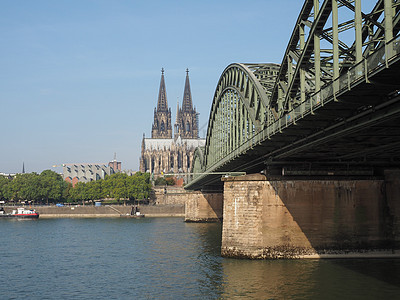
[
  {"x": 254, "y": 120},
  {"x": 306, "y": 67}
]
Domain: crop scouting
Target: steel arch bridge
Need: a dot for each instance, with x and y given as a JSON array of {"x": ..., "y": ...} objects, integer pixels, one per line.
[{"x": 333, "y": 101}]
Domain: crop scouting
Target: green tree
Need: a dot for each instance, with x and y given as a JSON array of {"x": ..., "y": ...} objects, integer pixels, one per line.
[
  {"x": 160, "y": 181},
  {"x": 107, "y": 187},
  {"x": 5, "y": 193},
  {"x": 118, "y": 186},
  {"x": 67, "y": 192},
  {"x": 78, "y": 193},
  {"x": 30, "y": 189},
  {"x": 139, "y": 186},
  {"x": 52, "y": 186},
  {"x": 119, "y": 189},
  {"x": 25, "y": 187},
  {"x": 94, "y": 190}
]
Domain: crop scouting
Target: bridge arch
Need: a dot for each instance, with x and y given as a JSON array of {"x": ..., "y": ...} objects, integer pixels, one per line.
[
  {"x": 240, "y": 108},
  {"x": 198, "y": 162}
]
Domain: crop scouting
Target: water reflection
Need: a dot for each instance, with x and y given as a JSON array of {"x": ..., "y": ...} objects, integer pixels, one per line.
[
  {"x": 223, "y": 278},
  {"x": 209, "y": 260},
  {"x": 309, "y": 279},
  {"x": 167, "y": 259},
  {"x": 266, "y": 279}
]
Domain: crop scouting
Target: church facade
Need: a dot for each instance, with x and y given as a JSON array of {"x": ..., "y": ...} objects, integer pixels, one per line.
[{"x": 167, "y": 153}]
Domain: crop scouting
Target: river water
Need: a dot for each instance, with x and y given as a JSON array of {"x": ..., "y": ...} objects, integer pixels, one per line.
[{"x": 165, "y": 258}]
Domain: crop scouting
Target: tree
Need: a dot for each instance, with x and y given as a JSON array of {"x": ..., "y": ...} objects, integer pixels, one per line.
[
  {"x": 5, "y": 193},
  {"x": 52, "y": 186},
  {"x": 94, "y": 189},
  {"x": 30, "y": 189},
  {"x": 119, "y": 189},
  {"x": 139, "y": 186},
  {"x": 118, "y": 186},
  {"x": 78, "y": 193},
  {"x": 160, "y": 181}
]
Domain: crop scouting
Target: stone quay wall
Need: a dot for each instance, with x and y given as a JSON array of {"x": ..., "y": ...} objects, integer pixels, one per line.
[
  {"x": 169, "y": 195},
  {"x": 108, "y": 211},
  {"x": 309, "y": 218}
]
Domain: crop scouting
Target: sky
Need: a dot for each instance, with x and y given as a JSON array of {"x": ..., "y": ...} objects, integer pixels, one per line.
[{"x": 79, "y": 79}]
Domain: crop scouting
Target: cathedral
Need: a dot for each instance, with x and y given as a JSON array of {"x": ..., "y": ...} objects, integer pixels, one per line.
[{"x": 166, "y": 153}]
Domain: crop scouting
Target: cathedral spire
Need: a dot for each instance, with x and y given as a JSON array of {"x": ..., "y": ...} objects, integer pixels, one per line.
[
  {"x": 186, "y": 125},
  {"x": 162, "y": 128},
  {"x": 162, "y": 104},
  {"x": 187, "y": 95}
]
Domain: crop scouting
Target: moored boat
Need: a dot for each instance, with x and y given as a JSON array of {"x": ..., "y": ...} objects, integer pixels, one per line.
[{"x": 20, "y": 213}]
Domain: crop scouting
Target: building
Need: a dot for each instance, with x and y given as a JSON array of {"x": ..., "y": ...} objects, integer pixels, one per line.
[
  {"x": 163, "y": 153},
  {"x": 187, "y": 121},
  {"x": 74, "y": 173},
  {"x": 162, "y": 128},
  {"x": 116, "y": 165}
]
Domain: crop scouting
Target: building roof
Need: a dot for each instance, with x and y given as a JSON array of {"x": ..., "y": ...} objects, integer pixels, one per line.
[{"x": 160, "y": 144}]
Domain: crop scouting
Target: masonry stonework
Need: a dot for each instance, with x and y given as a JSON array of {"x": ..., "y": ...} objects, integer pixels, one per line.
[
  {"x": 169, "y": 195},
  {"x": 203, "y": 207},
  {"x": 313, "y": 218},
  {"x": 392, "y": 180}
]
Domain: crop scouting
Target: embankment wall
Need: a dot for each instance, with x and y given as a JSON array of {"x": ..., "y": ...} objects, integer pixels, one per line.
[
  {"x": 108, "y": 211},
  {"x": 169, "y": 195}
]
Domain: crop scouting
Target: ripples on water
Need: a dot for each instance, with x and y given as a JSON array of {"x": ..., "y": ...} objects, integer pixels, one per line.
[{"x": 165, "y": 258}]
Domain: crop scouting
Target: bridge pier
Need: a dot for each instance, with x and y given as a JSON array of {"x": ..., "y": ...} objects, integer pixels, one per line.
[
  {"x": 204, "y": 207},
  {"x": 392, "y": 186},
  {"x": 310, "y": 218}
]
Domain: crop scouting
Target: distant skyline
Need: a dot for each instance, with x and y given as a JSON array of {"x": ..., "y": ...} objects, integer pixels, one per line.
[{"x": 79, "y": 79}]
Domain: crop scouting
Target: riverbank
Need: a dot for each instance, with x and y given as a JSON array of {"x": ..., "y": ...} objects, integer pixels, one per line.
[{"x": 107, "y": 211}]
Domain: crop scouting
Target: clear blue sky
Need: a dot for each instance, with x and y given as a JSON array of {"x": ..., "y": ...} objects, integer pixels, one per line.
[{"x": 79, "y": 78}]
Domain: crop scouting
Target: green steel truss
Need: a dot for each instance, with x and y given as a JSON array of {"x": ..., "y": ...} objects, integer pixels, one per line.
[
  {"x": 198, "y": 160},
  {"x": 307, "y": 66},
  {"x": 239, "y": 110},
  {"x": 334, "y": 45}
]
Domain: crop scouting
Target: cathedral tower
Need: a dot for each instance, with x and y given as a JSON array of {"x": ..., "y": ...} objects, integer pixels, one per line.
[
  {"x": 187, "y": 125},
  {"x": 162, "y": 128},
  {"x": 162, "y": 154}
]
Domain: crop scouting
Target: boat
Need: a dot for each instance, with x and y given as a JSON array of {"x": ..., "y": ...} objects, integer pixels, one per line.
[{"x": 20, "y": 213}]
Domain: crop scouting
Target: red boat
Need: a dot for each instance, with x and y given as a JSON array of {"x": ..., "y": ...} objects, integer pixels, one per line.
[{"x": 20, "y": 212}]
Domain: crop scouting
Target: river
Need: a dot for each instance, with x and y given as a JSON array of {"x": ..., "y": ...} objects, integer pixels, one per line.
[{"x": 165, "y": 258}]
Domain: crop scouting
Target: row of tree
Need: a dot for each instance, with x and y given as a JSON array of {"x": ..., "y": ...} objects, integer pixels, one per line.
[{"x": 49, "y": 187}]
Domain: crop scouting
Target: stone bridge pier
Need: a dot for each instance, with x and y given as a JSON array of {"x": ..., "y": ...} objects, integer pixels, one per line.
[
  {"x": 204, "y": 207},
  {"x": 311, "y": 218}
]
